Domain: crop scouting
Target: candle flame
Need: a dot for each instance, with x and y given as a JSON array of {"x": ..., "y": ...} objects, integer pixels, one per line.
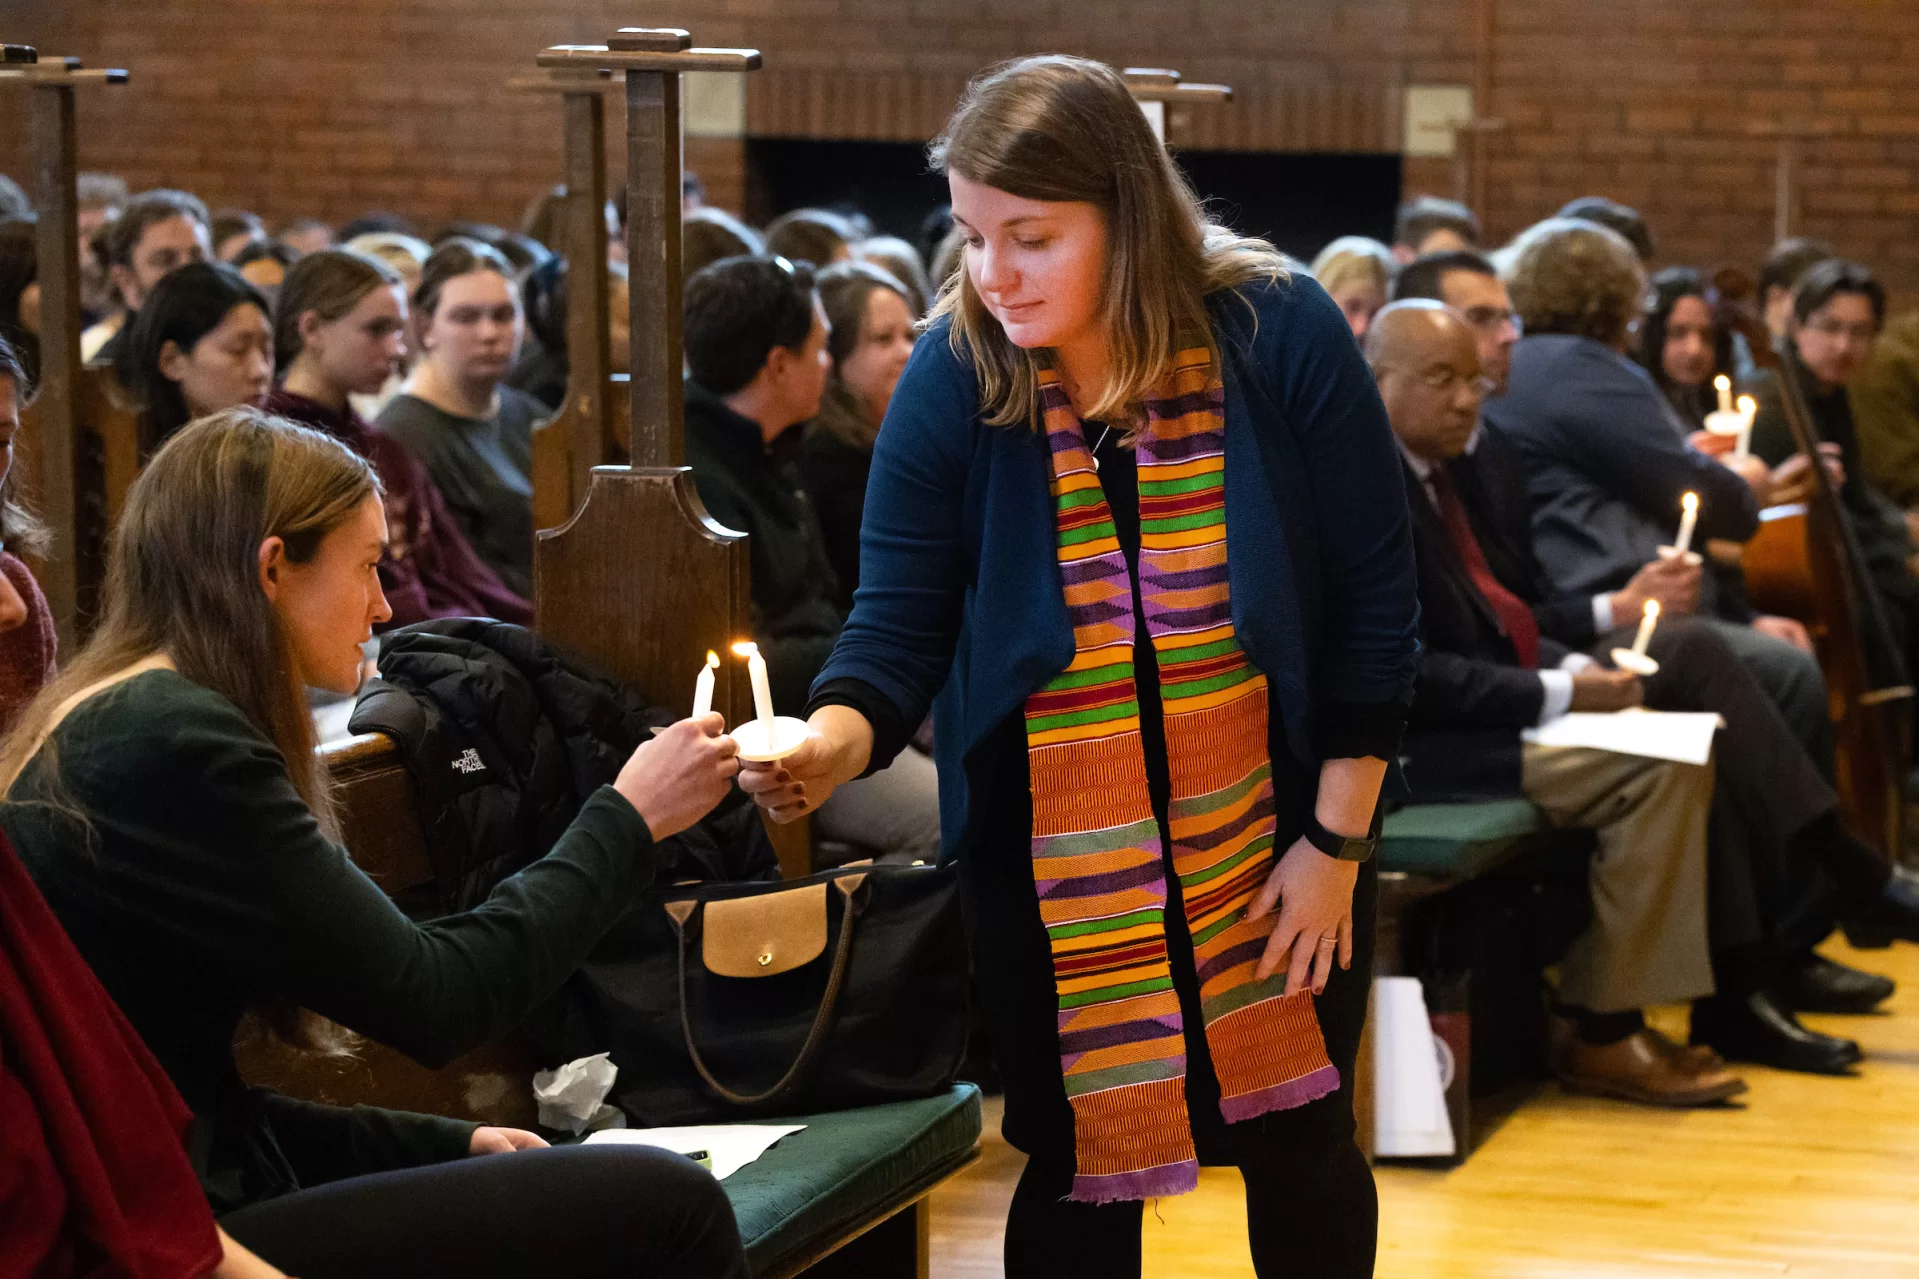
[
  {"x": 1690, "y": 501},
  {"x": 712, "y": 660},
  {"x": 745, "y": 648},
  {"x": 1748, "y": 405},
  {"x": 1652, "y": 608},
  {"x": 1722, "y": 382}
]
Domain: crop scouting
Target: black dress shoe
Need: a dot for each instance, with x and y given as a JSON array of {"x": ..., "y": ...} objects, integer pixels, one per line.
[
  {"x": 1757, "y": 1027},
  {"x": 1893, "y": 917},
  {"x": 1815, "y": 984}
]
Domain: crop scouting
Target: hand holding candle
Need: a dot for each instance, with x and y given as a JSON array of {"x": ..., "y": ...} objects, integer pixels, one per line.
[{"x": 1688, "y": 518}]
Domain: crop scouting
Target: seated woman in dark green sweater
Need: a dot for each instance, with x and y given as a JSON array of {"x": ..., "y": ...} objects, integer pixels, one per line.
[{"x": 164, "y": 794}]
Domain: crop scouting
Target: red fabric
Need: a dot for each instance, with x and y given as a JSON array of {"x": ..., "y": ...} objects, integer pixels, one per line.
[
  {"x": 27, "y": 651},
  {"x": 94, "y": 1178},
  {"x": 430, "y": 569},
  {"x": 1515, "y": 618}
]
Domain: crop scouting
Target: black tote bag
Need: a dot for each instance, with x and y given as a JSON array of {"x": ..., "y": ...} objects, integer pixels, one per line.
[{"x": 722, "y": 1002}]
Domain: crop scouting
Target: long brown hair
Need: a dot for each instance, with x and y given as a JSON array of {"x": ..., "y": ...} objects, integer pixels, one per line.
[
  {"x": 329, "y": 283},
  {"x": 845, "y": 288},
  {"x": 1067, "y": 129},
  {"x": 183, "y": 578}
]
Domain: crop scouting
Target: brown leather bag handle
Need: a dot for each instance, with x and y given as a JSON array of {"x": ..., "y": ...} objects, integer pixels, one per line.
[{"x": 815, "y": 1037}]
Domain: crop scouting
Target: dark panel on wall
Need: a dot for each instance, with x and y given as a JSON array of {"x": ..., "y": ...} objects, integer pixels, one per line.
[{"x": 1299, "y": 202}]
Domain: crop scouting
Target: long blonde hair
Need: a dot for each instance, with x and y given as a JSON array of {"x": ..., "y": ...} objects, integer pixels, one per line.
[
  {"x": 1067, "y": 129},
  {"x": 183, "y": 578}
]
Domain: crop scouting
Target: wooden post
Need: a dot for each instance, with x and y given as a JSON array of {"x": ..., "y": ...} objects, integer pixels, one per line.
[
  {"x": 642, "y": 581},
  {"x": 589, "y": 429},
  {"x": 653, "y": 60},
  {"x": 69, "y": 582}
]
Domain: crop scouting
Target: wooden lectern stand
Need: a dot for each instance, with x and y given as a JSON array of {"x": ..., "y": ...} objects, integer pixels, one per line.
[{"x": 56, "y": 448}]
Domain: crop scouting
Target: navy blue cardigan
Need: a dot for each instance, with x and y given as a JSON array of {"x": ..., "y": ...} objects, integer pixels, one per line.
[{"x": 960, "y": 591}]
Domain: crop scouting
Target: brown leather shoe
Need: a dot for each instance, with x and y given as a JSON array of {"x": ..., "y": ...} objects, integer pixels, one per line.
[{"x": 1634, "y": 1069}]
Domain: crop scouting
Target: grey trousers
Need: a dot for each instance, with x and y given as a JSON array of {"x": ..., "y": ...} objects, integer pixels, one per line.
[
  {"x": 1647, "y": 941},
  {"x": 895, "y": 812},
  {"x": 1792, "y": 681}
]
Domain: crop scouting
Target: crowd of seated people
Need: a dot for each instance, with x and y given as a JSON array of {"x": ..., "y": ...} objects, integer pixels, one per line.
[{"x": 1549, "y": 398}]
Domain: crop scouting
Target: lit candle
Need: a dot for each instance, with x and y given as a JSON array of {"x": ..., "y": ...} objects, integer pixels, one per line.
[
  {"x": 762, "y": 687},
  {"x": 1646, "y": 623},
  {"x": 703, "y": 686},
  {"x": 1688, "y": 517},
  {"x": 1723, "y": 385},
  {"x": 1748, "y": 410}
]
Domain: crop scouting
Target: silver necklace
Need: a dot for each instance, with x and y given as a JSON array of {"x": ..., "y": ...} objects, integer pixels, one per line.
[{"x": 1097, "y": 444}]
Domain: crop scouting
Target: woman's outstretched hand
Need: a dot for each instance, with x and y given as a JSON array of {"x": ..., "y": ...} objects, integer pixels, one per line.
[
  {"x": 676, "y": 777},
  {"x": 835, "y": 753},
  {"x": 1314, "y": 894}
]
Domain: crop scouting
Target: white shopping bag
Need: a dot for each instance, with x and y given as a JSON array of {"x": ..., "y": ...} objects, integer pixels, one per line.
[{"x": 1409, "y": 1096}]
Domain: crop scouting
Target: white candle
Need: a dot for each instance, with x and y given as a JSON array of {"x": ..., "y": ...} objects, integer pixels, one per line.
[
  {"x": 762, "y": 687},
  {"x": 1646, "y": 623},
  {"x": 1723, "y": 385},
  {"x": 1748, "y": 409},
  {"x": 703, "y": 686},
  {"x": 1688, "y": 517}
]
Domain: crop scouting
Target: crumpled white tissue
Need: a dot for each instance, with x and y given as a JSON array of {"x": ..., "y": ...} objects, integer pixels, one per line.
[{"x": 573, "y": 1097}]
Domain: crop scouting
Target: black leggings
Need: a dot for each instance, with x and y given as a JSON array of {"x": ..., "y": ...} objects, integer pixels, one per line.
[
  {"x": 586, "y": 1212},
  {"x": 1312, "y": 1214}
]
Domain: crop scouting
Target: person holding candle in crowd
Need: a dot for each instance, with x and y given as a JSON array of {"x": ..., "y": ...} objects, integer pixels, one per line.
[
  {"x": 1503, "y": 651},
  {"x": 757, "y": 360},
  {"x": 1638, "y": 573},
  {"x": 166, "y": 798},
  {"x": 1682, "y": 344},
  {"x": 1147, "y": 711}
]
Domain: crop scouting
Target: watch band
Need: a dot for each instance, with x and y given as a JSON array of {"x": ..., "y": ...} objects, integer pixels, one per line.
[{"x": 1347, "y": 848}]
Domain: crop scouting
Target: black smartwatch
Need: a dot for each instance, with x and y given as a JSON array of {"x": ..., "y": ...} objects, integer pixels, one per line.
[{"x": 1346, "y": 848}]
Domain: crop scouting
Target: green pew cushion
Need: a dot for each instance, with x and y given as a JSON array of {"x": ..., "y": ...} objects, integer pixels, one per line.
[
  {"x": 1455, "y": 841},
  {"x": 846, "y": 1166}
]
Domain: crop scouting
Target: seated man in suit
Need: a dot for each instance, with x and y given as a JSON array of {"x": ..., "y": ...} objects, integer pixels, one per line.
[{"x": 1500, "y": 656}]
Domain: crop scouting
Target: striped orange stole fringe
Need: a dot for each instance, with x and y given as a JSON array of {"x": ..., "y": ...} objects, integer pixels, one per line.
[{"x": 1097, "y": 851}]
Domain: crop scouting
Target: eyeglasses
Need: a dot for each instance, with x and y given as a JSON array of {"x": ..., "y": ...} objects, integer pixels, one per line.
[
  {"x": 1491, "y": 318},
  {"x": 1834, "y": 331},
  {"x": 1446, "y": 380}
]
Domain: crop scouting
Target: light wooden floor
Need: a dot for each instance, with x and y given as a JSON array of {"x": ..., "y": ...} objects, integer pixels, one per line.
[{"x": 1810, "y": 1178}]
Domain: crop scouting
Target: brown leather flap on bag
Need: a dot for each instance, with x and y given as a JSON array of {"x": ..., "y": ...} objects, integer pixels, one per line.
[{"x": 765, "y": 935}]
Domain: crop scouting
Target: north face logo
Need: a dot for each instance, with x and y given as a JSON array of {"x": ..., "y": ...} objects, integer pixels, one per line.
[{"x": 469, "y": 762}]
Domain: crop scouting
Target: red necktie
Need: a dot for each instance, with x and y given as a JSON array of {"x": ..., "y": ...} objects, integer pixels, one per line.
[{"x": 1515, "y": 618}]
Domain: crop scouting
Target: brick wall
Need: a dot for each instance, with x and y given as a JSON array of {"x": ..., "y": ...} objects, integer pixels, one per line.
[{"x": 336, "y": 106}]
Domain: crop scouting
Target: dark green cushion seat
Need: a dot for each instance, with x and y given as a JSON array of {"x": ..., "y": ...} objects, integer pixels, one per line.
[
  {"x": 1455, "y": 841},
  {"x": 845, "y": 1167}
]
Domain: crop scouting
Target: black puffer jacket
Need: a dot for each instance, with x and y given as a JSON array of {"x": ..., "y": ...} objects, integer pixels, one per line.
[{"x": 504, "y": 740}]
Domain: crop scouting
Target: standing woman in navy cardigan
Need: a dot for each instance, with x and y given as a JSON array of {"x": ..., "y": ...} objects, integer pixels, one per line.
[{"x": 1136, "y": 518}]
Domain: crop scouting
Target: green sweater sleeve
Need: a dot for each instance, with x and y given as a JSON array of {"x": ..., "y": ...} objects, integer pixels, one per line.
[
  {"x": 238, "y": 869},
  {"x": 330, "y": 1143}
]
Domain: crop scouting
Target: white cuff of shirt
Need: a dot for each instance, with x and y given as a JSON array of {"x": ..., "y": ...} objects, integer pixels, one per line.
[
  {"x": 1558, "y": 686},
  {"x": 1602, "y": 614}
]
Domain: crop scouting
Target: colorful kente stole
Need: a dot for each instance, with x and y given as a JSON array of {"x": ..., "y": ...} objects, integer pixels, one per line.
[{"x": 1097, "y": 853}]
